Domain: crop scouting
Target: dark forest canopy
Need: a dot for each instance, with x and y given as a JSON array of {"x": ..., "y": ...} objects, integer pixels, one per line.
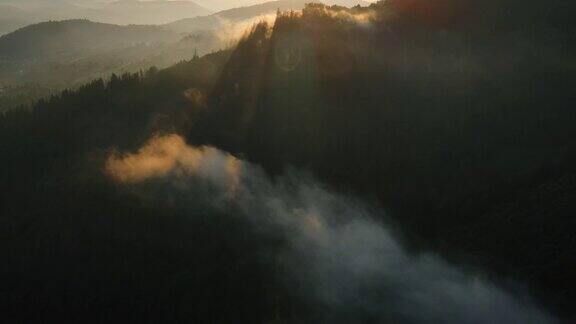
[{"x": 456, "y": 116}]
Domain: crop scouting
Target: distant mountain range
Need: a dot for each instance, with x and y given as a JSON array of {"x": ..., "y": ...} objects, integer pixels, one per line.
[
  {"x": 17, "y": 14},
  {"x": 73, "y": 37},
  {"x": 66, "y": 54}
]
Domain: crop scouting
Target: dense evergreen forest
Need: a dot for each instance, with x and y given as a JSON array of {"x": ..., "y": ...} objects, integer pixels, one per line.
[{"x": 456, "y": 117}]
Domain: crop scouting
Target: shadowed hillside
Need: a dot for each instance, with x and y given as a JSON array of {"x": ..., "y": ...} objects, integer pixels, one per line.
[{"x": 457, "y": 119}]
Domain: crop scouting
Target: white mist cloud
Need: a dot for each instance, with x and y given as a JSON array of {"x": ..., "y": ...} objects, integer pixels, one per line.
[
  {"x": 230, "y": 32},
  {"x": 344, "y": 260}
]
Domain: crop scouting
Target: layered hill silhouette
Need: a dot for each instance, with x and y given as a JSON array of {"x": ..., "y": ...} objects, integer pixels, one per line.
[
  {"x": 76, "y": 37},
  {"x": 19, "y": 13},
  {"x": 456, "y": 116}
]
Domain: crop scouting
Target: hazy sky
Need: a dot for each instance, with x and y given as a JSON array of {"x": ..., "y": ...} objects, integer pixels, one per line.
[{"x": 211, "y": 4}]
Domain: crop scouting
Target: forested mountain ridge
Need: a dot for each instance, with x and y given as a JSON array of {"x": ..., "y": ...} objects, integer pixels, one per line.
[
  {"x": 231, "y": 16},
  {"x": 463, "y": 134}
]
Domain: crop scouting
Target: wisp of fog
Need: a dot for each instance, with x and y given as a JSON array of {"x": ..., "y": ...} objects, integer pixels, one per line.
[{"x": 340, "y": 256}]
